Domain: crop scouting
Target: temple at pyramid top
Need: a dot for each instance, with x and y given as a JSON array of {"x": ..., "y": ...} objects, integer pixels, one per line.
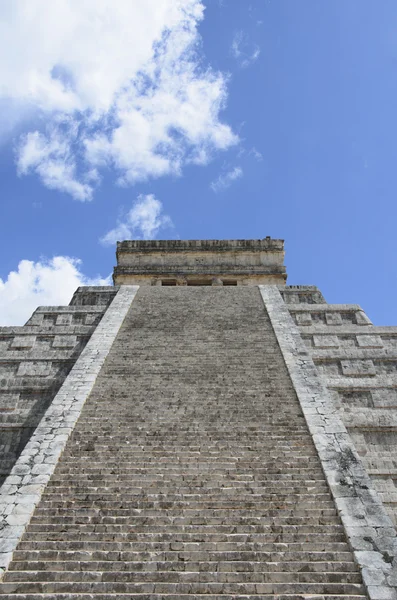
[{"x": 200, "y": 262}]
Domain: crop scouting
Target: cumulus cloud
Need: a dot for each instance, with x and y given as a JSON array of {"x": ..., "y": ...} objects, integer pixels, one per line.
[
  {"x": 143, "y": 221},
  {"x": 43, "y": 283},
  {"x": 243, "y": 50},
  {"x": 51, "y": 158},
  {"x": 116, "y": 84},
  {"x": 226, "y": 179}
]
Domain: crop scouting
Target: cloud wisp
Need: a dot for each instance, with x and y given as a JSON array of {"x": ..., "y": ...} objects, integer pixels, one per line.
[
  {"x": 225, "y": 180},
  {"x": 243, "y": 51},
  {"x": 116, "y": 85},
  {"x": 42, "y": 283},
  {"x": 143, "y": 221}
]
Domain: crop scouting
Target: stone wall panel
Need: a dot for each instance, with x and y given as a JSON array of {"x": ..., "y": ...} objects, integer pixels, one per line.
[{"x": 36, "y": 358}]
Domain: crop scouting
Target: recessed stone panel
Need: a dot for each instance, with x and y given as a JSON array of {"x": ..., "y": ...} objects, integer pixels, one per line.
[
  {"x": 23, "y": 341},
  {"x": 64, "y": 341},
  {"x": 8, "y": 402},
  {"x": 325, "y": 341},
  {"x": 92, "y": 319},
  {"x": 358, "y": 368},
  {"x": 8, "y": 369},
  {"x": 303, "y": 318},
  {"x": 333, "y": 318},
  {"x": 369, "y": 341},
  {"x": 34, "y": 368},
  {"x": 356, "y": 398},
  {"x": 64, "y": 319},
  {"x": 381, "y": 443},
  {"x": 385, "y": 397},
  {"x": 347, "y": 341}
]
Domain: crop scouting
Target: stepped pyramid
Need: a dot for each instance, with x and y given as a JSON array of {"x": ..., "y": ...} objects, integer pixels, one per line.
[{"x": 198, "y": 430}]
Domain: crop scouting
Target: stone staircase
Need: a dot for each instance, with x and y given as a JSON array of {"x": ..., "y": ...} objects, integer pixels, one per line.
[{"x": 190, "y": 472}]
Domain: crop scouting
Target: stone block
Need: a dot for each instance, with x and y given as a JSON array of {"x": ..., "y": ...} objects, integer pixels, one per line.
[
  {"x": 333, "y": 318},
  {"x": 358, "y": 368},
  {"x": 325, "y": 341},
  {"x": 34, "y": 368},
  {"x": 8, "y": 401},
  {"x": 384, "y": 397},
  {"x": 22, "y": 341},
  {"x": 304, "y": 318},
  {"x": 91, "y": 319},
  {"x": 64, "y": 341},
  {"x": 64, "y": 319},
  {"x": 369, "y": 341}
]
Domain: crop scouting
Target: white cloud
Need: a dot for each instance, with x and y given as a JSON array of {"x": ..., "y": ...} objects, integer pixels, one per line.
[
  {"x": 143, "y": 221},
  {"x": 226, "y": 179},
  {"x": 51, "y": 158},
  {"x": 117, "y": 84},
  {"x": 45, "y": 283},
  {"x": 244, "y": 51}
]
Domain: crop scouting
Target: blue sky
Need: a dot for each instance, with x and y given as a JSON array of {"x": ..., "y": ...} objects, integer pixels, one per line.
[{"x": 250, "y": 118}]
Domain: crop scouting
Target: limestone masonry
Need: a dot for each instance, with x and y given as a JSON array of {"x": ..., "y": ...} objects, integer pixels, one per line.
[{"x": 200, "y": 429}]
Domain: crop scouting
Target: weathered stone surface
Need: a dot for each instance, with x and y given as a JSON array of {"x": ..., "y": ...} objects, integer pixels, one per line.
[
  {"x": 22, "y": 490},
  {"x": 200, "y": 262},
  {"x": 191, "y": 470},
  {"x": 35, "y": 360},
  {"x": 362, "y": 377},
  {"x": 358, "y": 503},
  {"x": 173, "y": 415}
]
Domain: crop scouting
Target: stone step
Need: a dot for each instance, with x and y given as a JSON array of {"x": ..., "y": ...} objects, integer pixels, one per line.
[
  {"x": 189, "y": 596},
  {"x": 216, "y": 441},
  {"x": 149, "y": 566},
  {"x": 267, "y": 464},
  {"x": 274, "y": 424},
  {"x": 185, "y": 482},
  {"x": 263, "y": 576},
  {"x": 158, "y": 433},
  {"x": 180, "y": 547},
  {"x": 286, "y": 554},
  {"x": 175, "y": 507},
  {"x": 213, "y": 470},
  {"x": 142, "y": 478},
  {"x": 188, "y": 455},
  {"x": 149, "y": 497},
  {"x": 93, "y": 587},
  {"x": 187, "y": 486},
  {"x": 186, "y": 513},
  {"x": 82, "y": 535},
  {"x": 90, "y": 515},
  {"x": 198, "y": 529},
  {"x": 200, "y": 440},
  {"x": 206, "y": 467},
  {"x": 95, "y": 451},
  {"x": 262, "y": 462}
]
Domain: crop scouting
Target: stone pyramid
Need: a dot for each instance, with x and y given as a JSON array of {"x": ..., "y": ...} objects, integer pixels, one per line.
[{"x": 199, "y": 430}]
